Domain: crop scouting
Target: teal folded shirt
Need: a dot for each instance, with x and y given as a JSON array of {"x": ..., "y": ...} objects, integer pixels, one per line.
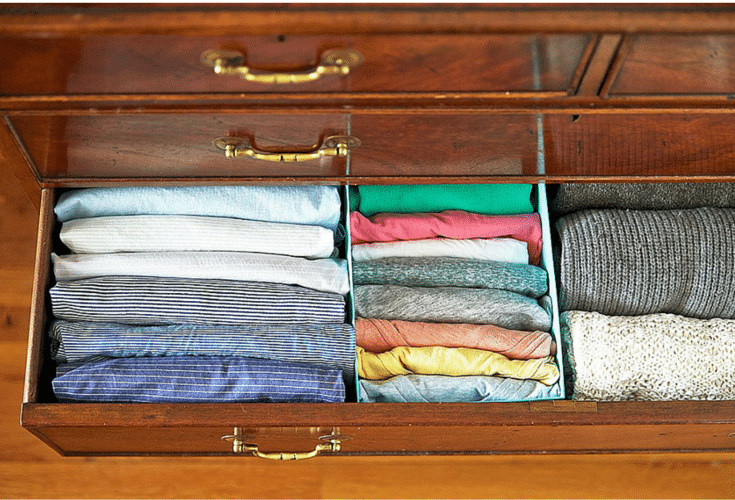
[{"x": 487, "y": 199}]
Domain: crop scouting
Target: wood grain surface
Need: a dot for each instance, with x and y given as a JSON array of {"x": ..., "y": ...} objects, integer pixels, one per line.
[{"x": 29, "y": 469}]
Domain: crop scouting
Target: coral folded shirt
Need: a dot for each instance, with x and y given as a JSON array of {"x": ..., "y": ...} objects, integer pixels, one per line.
[
  {"x": 380, "y": 335},
  {"x": 453, "y": 224}
]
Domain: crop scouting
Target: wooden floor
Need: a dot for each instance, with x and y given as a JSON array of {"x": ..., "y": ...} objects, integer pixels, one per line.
[{"x": 29, "y": 469}]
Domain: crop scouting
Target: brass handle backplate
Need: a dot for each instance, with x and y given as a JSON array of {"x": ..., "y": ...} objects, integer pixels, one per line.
[
  {"x": 337, "y": 145},
  {"x": 231, "y": 62},
  {"x": 330, "y": 443}
]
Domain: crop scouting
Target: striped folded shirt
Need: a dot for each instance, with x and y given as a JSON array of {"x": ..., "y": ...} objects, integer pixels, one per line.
[
  {"x": 188, "y": 233},
  {"x": 198, "y": 379},
  {"x": 326, "y": 275},
  {"x": 136, "y": 300},
  {"x": 332, "y": 346}
]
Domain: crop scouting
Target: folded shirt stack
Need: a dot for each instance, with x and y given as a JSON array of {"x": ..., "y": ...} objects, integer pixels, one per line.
[
  {"x": 647, "y": 294},
  {"x": 447, "y": 295},
  {"x": 240, "y": 285}
]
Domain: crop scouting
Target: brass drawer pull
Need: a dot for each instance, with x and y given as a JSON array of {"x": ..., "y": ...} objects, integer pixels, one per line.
[
  {"x": 337, "y": 145},
  {"x": 332, "y": 443},
  {"x": 231, "y": 62}
]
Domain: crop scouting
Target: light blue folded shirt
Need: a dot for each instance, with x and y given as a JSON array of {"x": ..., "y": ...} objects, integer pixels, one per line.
[
  {"x": 313, "y": 205},
  {"x": 441, "y": 389}
]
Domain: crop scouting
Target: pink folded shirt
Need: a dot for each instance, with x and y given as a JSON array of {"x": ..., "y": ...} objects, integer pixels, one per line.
[
  {"x": 454, "y": 224},
  {"x": 379, "y": 335}
]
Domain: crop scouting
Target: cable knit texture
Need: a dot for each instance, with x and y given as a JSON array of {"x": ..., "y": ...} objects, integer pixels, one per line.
[
  {"x": 623, "y": 262},
  {"x": 379, "y": 335},
  {"x": 446, "y": 271},
  {"x": 655, "y": 357},
  {"x": 453, "y": 362},
  {"x": 451, "y": 305},
  {"x": 572, "y": 197}
]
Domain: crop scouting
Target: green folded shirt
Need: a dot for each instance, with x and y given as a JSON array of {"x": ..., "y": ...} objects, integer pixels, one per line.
[{"x": 488, "y": 199}]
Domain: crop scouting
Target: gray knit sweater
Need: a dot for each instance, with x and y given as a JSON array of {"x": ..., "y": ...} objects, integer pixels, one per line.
[
  {"x": 451, "y": 305},
  {"x": 643, "y": 196},
  {"x": 448, "y": 271},
  {"x": 621, "y": 262}
]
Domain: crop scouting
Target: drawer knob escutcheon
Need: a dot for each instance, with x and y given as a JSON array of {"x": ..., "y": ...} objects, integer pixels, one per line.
[
  {"x": 337, "y": 145},
  {"x": 332, "y": 62},
  {"x": 331, "y": 443}
]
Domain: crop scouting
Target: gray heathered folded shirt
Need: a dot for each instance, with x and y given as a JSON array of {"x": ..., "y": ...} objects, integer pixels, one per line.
[
  {"x": 451, "y": 305},
  {"x": 450, "y": 271},
  {"x": 624, "y": 262},
  {"x": 643, "y": 196}
]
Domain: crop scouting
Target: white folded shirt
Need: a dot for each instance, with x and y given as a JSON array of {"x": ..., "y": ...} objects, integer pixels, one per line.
[
  {"x": 326, "y": 275},
  {"x": 497, "y": 249},
  {"x": 185, "y": 233}
]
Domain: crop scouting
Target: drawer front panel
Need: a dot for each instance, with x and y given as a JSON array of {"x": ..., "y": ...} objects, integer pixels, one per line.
[
  {"x": 639, "y": 145},
  {"x": 175, "y": 146},
  {"x": 436, "y": 145},
  {"x": 392, "y": 439},
  {"x": 162, "y": 64},
  {"x": 677, "y": 64}
]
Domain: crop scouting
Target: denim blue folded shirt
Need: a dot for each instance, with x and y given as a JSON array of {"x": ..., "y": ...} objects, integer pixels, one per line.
[{"x": 198, "y": 379}]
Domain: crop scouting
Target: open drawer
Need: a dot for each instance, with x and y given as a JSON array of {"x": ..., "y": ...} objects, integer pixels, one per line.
[{"x": 300, "y": 430}]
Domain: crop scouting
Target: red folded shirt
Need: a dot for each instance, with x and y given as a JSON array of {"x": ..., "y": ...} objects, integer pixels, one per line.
[{"x": 454, "y": 224}]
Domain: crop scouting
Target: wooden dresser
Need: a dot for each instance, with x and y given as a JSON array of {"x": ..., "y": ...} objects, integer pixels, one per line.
[{"x": 107, "y": 95}]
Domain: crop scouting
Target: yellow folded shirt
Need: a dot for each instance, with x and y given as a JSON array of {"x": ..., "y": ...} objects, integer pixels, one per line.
[{"x": 456, "y": 362}]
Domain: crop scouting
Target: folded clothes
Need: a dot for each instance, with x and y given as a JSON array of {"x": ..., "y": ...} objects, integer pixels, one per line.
[
  {"x": 313, "y": 205},
  {"x": 656, "y": 357},
  {"x": 188, "y": 233},
  {"x": 137, "y": 300},
  {"x": 454, "y": 224},
  {"x": 451, "y": 272},
  {"x": 643, "y": 196},
  {"x": 497, "y": 249},
  {"x": 325, "y": 275},
  {"x": 380, "y": 335},
  {"x": 488, "y": 199},
  {"x": 198, "y": 379},
  {"x": 332, "y": 346},
  {"x": 455, "y": 362},
  {"x": 626, "y": 262},
  {"x": 441, "y": 389},
  {"x": 451, "y": 305}
]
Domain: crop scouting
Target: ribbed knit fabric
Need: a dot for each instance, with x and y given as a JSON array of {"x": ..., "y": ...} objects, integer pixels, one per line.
[
  {"x": 497, "y": 249},
  {"x": 455, "y": 362},
  {"x": 622, "y": 262},
  {"x": 162, "y": 301},
  {"x": 454, "y": 224},
  {"x": 198, "y": 379},
  {"x": 451, "y": 272},
  {"x": 488, "y": 199},
  {"x": 185, "y": 233},
  {"x": 655, "y": 357},
  {"x": 441, "y": 389},
  {"x": 324, "y": 345},
  {"x": 312, "y": 205},
  {"x": 379, "y": 335},
  {"x": 325, "y": 275},
  {"x": 572, "y": 197},
  {"x": 451, "y": 305}
]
